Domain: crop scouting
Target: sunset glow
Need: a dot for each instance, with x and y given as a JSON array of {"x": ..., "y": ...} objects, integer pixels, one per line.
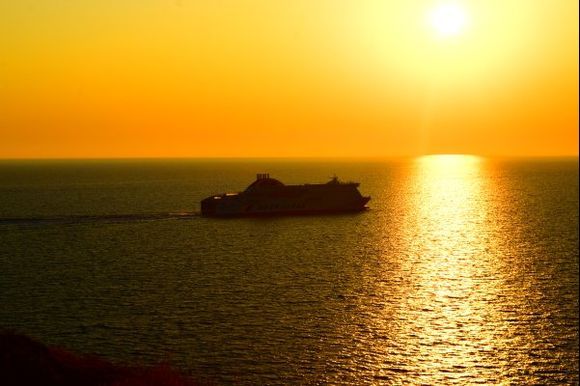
[
  {"x": 160, "y": 78},
  {"x": 448, "y": 19}
]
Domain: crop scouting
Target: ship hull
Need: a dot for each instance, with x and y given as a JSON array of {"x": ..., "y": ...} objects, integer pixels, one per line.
[{"x": 283, "y": 212}]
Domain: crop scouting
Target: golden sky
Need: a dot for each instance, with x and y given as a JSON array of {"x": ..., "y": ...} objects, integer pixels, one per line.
[{"x": 237, "y": 78}]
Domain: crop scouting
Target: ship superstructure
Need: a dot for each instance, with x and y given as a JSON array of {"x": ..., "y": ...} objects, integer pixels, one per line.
[{"x": 268, "y": 196}]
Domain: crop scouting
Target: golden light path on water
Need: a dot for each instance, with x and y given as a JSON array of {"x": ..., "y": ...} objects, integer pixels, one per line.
[
  {"x": 446, "y": 323},
  {"x": 448, "y": 232}
]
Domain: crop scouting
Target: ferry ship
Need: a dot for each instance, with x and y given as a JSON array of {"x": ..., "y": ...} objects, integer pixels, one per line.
[{"x": 268, "y": 196}]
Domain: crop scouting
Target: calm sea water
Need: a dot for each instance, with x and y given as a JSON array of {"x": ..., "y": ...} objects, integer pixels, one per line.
[{"x": 464, "y": 270}]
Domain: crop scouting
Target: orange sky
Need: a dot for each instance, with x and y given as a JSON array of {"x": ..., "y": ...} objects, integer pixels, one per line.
[{"x": 184, "y": 78}]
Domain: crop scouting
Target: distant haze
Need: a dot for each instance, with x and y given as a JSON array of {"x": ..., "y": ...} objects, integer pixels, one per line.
[{"x": 161, "y": 78}]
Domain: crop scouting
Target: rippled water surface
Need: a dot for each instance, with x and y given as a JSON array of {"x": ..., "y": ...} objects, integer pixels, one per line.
[{"x": 464, "y": 270}]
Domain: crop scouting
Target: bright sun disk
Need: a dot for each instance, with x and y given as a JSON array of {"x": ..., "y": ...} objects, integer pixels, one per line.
[{"x": 448, "y": 19}]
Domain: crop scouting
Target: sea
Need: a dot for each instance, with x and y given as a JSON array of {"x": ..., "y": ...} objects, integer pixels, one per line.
[{"x": 464, "y": 270}]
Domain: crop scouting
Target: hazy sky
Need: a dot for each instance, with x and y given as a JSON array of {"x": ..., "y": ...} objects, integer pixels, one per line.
[{"x": 185, "y": 78}]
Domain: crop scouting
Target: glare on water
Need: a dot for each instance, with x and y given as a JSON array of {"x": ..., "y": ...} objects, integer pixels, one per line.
[
  {"x": 448, "y": 234},
  {"x": 462, "y": 308}
]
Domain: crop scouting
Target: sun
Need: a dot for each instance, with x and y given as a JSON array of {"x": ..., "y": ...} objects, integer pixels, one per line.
[{"x": 448, "y": 19}]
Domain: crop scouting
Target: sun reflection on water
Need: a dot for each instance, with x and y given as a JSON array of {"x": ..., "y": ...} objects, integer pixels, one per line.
[
  {"x": 447, "y": 232},
  {"x": 462, "y": 285}
]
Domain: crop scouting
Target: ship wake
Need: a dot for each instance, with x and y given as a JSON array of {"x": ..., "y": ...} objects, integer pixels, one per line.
[{"x": 104, "y": 218}]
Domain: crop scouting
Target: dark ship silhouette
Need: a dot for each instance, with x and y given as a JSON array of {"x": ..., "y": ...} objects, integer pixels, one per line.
[{"x": 267, "y": 196}]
